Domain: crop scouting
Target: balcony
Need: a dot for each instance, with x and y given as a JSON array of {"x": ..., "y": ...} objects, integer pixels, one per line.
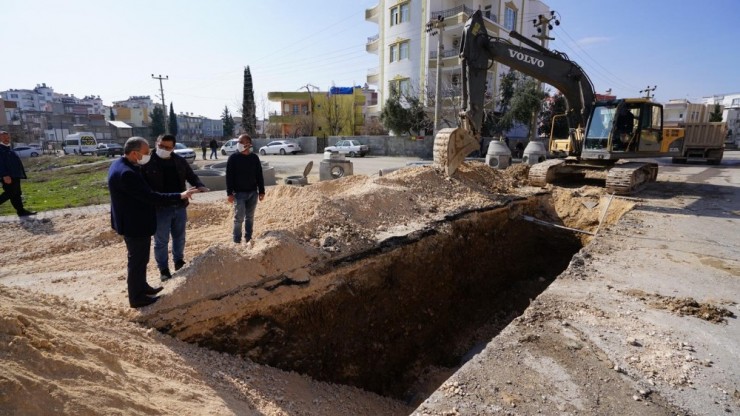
[
  {"x": 373, "y": 75},
  {"x": 372, "y": 44},
  {"x": 373, "y": 14},
  {"x": 459, "y": 15},
  {"x": 450, "y": 58}
]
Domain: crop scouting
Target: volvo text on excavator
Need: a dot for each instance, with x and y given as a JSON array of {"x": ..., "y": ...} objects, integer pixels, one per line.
[{"x": 600, "y": 133}]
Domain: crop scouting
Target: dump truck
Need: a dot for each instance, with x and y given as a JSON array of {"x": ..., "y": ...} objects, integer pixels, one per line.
[{"x": 698, "y": 141}]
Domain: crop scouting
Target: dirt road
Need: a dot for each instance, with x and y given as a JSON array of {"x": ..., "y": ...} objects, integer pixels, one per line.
[{"x": 643, "y": 322}]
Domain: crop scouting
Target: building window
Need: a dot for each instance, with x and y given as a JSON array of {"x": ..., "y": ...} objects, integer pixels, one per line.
[
  {"x": 400, "y": 13},
  {"x": 399, "y": 51},
  {"x": 403, "y": 86},
  {"x": 509, "y": 18},
  {"x": 296, "y": 109},
  {"x": 735, "y": 102},
  {"x": 403, "y": 50}
]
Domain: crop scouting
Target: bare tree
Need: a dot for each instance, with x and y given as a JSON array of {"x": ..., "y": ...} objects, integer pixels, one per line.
[
  {"x": 336, "y": 115},
  {"x": 305, "y": 125}
]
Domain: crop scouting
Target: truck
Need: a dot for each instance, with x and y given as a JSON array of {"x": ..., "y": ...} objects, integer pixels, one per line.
[
  {"x": 80, "y": 143},
  {"x": 601, "y": 133},
  {"x": 698, "y": 141}
]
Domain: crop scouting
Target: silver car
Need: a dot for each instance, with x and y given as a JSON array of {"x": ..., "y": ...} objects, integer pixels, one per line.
[
  {"x": 282, "y": 147},
  {"x": 27, "y": 151},
  {"x": 185, "y": 152},
  {"x": 350, "y": 148}
]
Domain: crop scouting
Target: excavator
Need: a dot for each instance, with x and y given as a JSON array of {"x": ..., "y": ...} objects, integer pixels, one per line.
[{"x": 600, "y": 133}]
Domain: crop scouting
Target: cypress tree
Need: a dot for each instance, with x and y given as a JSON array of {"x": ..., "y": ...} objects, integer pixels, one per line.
[
  {"x": 249, "y": 109},
  {"x": 172, "y": 122}
]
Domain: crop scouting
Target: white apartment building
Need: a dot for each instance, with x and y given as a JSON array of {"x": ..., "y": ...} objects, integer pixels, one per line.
[
  {"x": 407, "y": 53},
  {"x": 730, "y": 104},
  {"x": 37, "y": 99}
]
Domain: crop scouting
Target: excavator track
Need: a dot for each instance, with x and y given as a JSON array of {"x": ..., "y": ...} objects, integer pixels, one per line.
[
  {"x": 545, "y": 172},
  {"x": 628, "y": 178}
]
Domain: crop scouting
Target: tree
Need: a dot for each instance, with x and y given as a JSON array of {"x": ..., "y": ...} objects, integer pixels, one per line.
[
  {"x": 373, "y": 127},
  {"x": 157, "y": 125},
  {"x": 228, "y": 121},
  {"x": 494, "y": 122},
  {"x": 554, "y": 106},
  {"x": 405, "y": 114},
  {"x": 335, "y": 115},
  {"x": 304, "y": 125},
  {"x": 525, "y": 101},
  {"x": 249, "y": 110},
  {"x": 172, "y": 122},
  {"x": 716, "y": 115}
]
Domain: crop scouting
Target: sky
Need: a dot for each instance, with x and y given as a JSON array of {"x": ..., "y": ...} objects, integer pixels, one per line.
[{"x": 112, "y": 48}]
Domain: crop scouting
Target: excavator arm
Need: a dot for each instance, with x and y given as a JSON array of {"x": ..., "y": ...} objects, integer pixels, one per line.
[{"x": 477, "y": 49}]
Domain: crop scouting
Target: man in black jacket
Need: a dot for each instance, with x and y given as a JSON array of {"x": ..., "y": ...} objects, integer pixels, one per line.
[
  {"x": 244, "y": 186},
  {"x": 11, "y": 172},
  {"x": 167, "y": 172}
]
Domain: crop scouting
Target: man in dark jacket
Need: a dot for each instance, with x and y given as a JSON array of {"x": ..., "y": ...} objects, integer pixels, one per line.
[
  {"x": 167, "y": 172},
  {"x": 244, "y": 185},
  {"x": 214, "y": 149},
  {"x": 11, "y": 172},
  {"x": 133, "y": 215}
]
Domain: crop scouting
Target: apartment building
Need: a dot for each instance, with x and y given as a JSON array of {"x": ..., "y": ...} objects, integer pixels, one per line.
[
  {"x": 338, "y": 111},
  {"x": 135, "y": 111},
  {"x": 407, "y": 54}
]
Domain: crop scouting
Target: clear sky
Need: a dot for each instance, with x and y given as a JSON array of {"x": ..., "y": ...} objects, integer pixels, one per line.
[{"x": 111, "y": 48}]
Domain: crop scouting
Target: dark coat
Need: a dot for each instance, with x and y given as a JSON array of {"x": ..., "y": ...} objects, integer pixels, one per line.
[
  {"x": 155, "y": 177},
  {"x": 132, "y": 200},
  {"x": 10, "y": 164}
]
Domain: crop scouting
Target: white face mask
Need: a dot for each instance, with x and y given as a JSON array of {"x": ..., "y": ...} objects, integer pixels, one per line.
[
  {"x": 240, "y": 147},
  {"x": 144, "y": 160},
  {"x": 164, "y": 154},
  {"x": 5, "y": 144}
]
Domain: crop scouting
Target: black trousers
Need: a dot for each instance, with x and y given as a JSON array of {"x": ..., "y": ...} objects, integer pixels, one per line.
[
  {"x": 138, "y": 258},
  {"x": 12, "y": 192}
]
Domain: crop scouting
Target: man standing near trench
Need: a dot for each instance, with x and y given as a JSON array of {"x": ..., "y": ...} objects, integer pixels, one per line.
[
  {"x": 133, "y": 215},
  {"x": 167, "y": 172},
  {"x": 244, "y": 186}
]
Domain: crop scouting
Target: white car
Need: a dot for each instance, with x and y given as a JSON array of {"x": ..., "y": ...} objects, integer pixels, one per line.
[
  {"x": 280, "y": 147},
  {"x": 229, "y": 147},
  {"x": 185, "y": 152},
  {"x": 27, "y": 151},
  {"x": 350, "y": 148}
]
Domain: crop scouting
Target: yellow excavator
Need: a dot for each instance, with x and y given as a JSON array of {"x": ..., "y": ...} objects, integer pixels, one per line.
[{"x": 600, "y": 133}]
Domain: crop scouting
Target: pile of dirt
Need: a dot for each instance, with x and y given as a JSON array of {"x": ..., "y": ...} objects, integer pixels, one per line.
[{"x": 684, "y": 306}]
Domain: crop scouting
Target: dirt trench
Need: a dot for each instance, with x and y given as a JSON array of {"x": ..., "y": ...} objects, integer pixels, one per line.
[{"x": 379, "y": 320}]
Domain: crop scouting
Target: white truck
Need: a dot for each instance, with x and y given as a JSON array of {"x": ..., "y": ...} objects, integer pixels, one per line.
[
  {"x": 80, "y": 143},
  {"x": 698, "y": 141}
]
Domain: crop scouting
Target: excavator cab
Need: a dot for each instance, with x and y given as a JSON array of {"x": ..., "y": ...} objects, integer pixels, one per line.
[{"x": 623, "y": 128}]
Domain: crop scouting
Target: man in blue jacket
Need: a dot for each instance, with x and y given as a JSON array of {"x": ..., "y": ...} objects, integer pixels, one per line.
[
  {"x": 133, "y": 215},
  {"x": 167, "y": 172},
  {"x": 244, "y": 186},
  {"x": 11, "y": 172}
]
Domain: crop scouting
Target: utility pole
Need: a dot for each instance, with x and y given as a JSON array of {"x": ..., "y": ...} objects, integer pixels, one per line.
[
  {"x": 542, "y": 23},
  {"x": 648, "y": 90},
  {"x": 435, "y": 27},
  {"x": 164, "y": 107}
]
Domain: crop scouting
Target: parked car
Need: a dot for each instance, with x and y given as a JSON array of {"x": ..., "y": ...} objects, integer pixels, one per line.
[
  {"x": 27, "y": 151},
  {"x": 350, "y": 148},
  {"x": 280, "y": 147},
  {"x": 185, "y": 152},
  {"x": 109, "y": 149},
  {"x": 229, "y": 147}
]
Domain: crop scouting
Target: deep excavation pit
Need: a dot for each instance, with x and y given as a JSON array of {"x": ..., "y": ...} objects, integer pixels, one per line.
[{"x": 382, "y": 318}]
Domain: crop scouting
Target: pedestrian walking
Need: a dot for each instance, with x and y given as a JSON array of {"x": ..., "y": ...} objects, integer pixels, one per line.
[
  {"x": 204, "y": 147},
  {"x": 11, "y": 172},
  {"x": 214, "y": 149}
]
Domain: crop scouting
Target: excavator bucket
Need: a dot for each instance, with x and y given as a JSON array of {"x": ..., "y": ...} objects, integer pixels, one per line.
[{"x": 451, "y": 147}]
